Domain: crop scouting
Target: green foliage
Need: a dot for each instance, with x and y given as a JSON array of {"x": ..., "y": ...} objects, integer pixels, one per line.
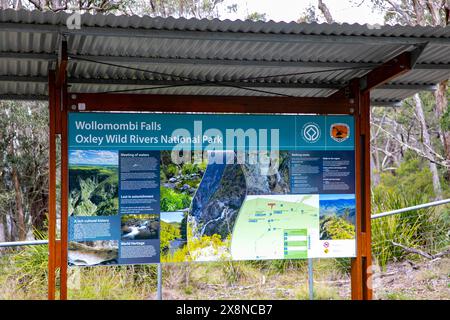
[
  {"x": 282, "y": 265},
  {"x": 24, "y": 152},
  {"x": 445, "y": 120},
  {"x": 111, "y": 283},
  {"x": 173, "y": 201},
  {"x": 108, "y": 207},
  {"x": 410, "y": 184},
  {"x": 336, "y": 228},
  {"x": 188, "y": 9},
  {"x": 235, "y": 271},
  {"x": 31, "y": 264},
  {"x": 342, "y": 265},
  {"x": 137, "y": 218},
  {"x": 202, "y": 165},
  {"x": 162, "y": 176},
  {"x": 195, "y": 246},
  {"x": 168, "y": 233},
  {"x": 412, "y": 176},
  {"x": 170, "y": 170},
  {"x": 189, "y": 168},
  {"x": 321, "y": 292},
  {"x": 398, "y": 296},
  {"x": 93, "y": 190},
  {"x": 425, "y": 228},
  {"x": 183, "y": 226},
  {"x": 193, "y": 183},
  {"x": 180, "y": 255},
  {"x": 257, "y": 16},
  {"x": 214, "y": 241}
]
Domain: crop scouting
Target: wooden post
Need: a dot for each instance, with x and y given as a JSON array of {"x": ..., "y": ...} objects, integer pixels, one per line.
[
  {"x": 64, "y": 195},
  {"x": 366, "y": 229},
  {"x": 51, "y": 186},
  {"x": 361, "y": 265}
]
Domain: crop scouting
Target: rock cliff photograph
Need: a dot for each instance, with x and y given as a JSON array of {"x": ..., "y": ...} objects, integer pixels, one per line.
[{"x": 93, "y": 187}]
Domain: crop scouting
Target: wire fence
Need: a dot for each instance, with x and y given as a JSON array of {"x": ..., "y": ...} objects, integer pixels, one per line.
[{"x": 409, "y": 246}]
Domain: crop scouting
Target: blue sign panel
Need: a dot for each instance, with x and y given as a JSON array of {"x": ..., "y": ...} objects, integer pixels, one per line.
[{"x": 152, "y": 187}]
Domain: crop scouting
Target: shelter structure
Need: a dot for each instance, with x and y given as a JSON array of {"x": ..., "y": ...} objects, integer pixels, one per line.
[{"x": 121, "y": 63}]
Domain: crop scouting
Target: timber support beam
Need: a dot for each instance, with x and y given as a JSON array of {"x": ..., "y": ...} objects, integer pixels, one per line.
[
  {"x": 57, "y": 93},
  {"x": 221, "y": 104}
]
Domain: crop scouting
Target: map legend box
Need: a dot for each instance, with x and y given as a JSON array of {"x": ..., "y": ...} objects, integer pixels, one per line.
[{"x": 295, "y": 243}]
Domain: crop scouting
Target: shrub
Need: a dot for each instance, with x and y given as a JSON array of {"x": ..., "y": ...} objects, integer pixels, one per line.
[
  {"x": 170, "y": 170},
  {"x": 172, "y": 201},
  {"x": 189, "y": 168},
  {"x": 424, "y": 228}
]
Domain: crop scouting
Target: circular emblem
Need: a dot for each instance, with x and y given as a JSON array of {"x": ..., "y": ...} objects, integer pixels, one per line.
[
  {"x": 311, "y": 132},
  {"x": 339, "y": 132},
  {"x": 326, "y": 244}
]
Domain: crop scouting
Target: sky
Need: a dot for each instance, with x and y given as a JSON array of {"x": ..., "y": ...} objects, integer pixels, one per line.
[
  {"x": 336, "y": 196},
  {"x": 93, "y": 157},
  {"x": 290, "y": 10},
  {"x": 172, "y": 216}
]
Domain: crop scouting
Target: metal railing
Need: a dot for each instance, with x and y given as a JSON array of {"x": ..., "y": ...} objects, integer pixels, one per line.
[
  {"x": 420, "y": 206},
  {"x": 22, "y": 243}
]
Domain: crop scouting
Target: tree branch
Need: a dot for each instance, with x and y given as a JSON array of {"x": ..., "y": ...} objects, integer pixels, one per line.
[
  {"x": 324, "y": 9},
  {"x": 420, "y": 252}
]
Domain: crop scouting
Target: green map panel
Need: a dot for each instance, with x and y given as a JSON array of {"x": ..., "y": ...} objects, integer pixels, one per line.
[{"x": 264, "y": 222}]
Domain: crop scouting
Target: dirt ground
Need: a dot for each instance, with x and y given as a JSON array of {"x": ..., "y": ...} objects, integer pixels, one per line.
[
  {"x": 400, "y": 281},
  {"x": 428, "y": 280}
]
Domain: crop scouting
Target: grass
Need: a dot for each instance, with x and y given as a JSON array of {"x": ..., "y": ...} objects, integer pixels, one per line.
[
  {"x": 321, "y": 292},
  {"x": 398, "y": 296},
  {"x": 124, "y": 283},
  {"x": 426, "y": 228},
  {"x": 215, "y": 280},
  {"x": 26, "y": 278}
]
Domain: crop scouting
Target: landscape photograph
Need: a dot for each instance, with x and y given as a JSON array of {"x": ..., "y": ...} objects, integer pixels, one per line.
[
  {"x": 173, "y": 236},
  {"x": 207, "y": 197},
  {"x": 139, "y": 226},
  {"x": 93, "y": 183},
  {"x": 93, "y": 253},
  {"x": 337, "y": 216}
]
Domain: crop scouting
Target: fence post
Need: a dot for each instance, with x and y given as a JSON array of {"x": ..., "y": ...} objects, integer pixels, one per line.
[
  {"x": 159, "y": 282},
  {"x": 310, "y": 279}
]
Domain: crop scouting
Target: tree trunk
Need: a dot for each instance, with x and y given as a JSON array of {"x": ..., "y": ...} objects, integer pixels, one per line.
[
  {"x": 3, "y": 228},
  {"x": 18, "y": 5},
  {"x": 3, "y": 4},
  {"x": 18, "y": 196},
  {"x": 375, "y": 154},
  {"x": 441, "y": 107},
  {"x": 20, "y": 216},
  {"x": 447, "y": 12},
  {"x": 419, "y": 10},
  {"x": 324, "y": 9},
  {"x": 434, "y": 7},
  {"x": 375, "y": 172},
  {"x": 427, "y": 142}
]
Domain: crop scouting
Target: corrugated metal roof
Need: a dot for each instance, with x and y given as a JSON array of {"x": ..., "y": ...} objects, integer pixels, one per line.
[{"x": 326, "y": 55}]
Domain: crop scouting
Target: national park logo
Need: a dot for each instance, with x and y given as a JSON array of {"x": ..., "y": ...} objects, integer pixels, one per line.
[{"x": 339, "y": 132}]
